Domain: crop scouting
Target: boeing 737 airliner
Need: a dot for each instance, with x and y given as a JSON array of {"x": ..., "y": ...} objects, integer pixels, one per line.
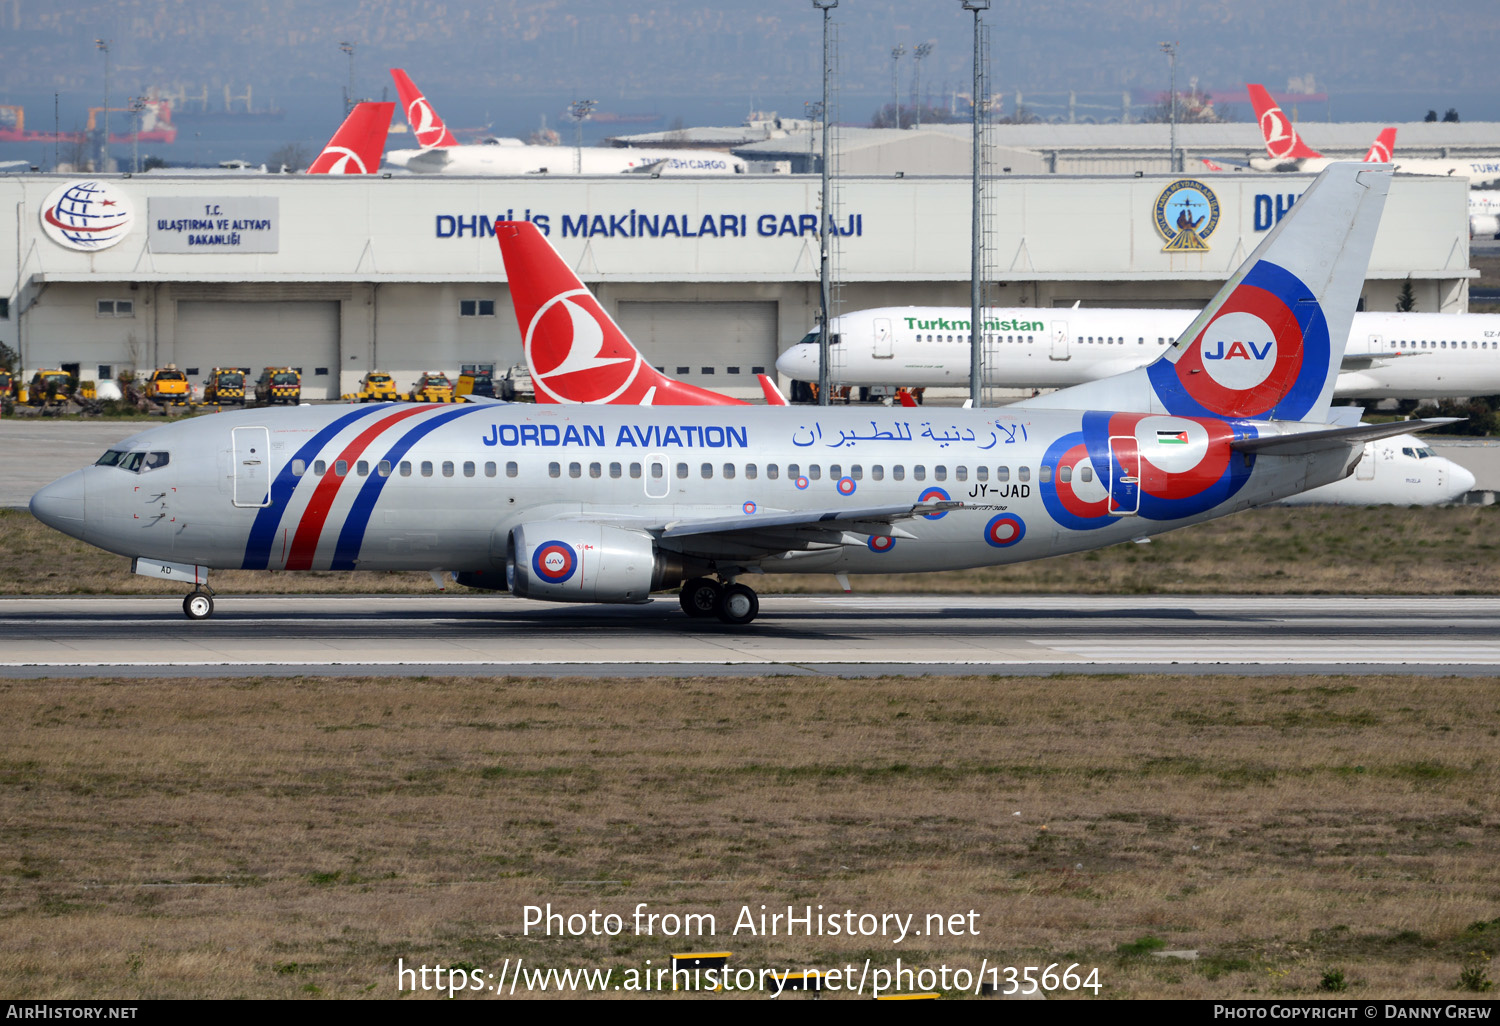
[{"x": 611, "y": 503}]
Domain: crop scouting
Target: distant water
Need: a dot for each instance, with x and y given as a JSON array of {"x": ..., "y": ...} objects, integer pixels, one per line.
[{"x": 311, "y": 120}]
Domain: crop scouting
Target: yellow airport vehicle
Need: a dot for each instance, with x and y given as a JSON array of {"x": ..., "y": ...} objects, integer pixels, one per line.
[
  {"x": 49, "y": 388},
  {"x": 7, "y": 383},
  {"x": 433, "y": 387},
  {"x": 377, "y": 387},
  {"x": 224, "y": 385},
  {"x": 279, "y": 385},
  {"x": 169, "y": 387}
]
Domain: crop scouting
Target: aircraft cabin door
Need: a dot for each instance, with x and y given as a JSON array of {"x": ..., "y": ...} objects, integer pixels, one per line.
[
  {"x": 1377, "y": 344},
  {"x": 658, "y": 483},
  {"x": 252, "y": 466},
  {"x": 883, "y": 339},
  {"x": 1125, "y": 476},
  {"x": 1059, "y": 340},
  {"x": 1364, "y": 470}
]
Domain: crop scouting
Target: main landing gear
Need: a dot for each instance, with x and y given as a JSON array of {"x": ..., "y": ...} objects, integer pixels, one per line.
[
  {"x": 732, "y": 603},
  {"x": 199, "y": 604}
]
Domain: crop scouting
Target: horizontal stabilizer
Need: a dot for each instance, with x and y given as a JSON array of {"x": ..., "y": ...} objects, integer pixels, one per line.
[{"x": 1303, "y": 442}]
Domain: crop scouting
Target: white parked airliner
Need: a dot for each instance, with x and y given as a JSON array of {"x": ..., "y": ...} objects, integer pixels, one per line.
[
  {"x": 611, "y": 503},
  {"x": 1389, "y": 355}
]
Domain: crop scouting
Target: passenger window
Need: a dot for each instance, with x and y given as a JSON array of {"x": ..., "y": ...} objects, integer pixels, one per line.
[
  {"x": 960, "y": 473},
  {"x": 940, "y": 473},
  {"x": 383, "y": 468},
  {"x": 1002, "y": 473},
  {"x": 635, "y": 472},
  {"x": 814, "y": 472},
  {"x": 898, "y": 473},
  {"x": 982, "y": 473},
  {"x": 877, "y": 473},
  {"x": 771, "y": 471},
  {"x": 362, "y": 468},
  {"x": 575, "y": 469},
  {"x": 793, "y": 471},
  {"x": 728, "y": 471},
  {"x": 512, "y": 468},
  {"x": 1045, "y": 473},
  {"x": 750, "y": 472},
  {"x": 615, "y": 470},
  {"x": 1087, "y": 472},
  {"x": 682, "y": 471},
  {"x": 340, "y": 468},
  {"x": 406, "y": 468},
  {"x": 554, "y": 470},
  {"x": 469, "y": 468},
  {"x": 835, "y": 472},
  {"x": 319, "y": 468},
  {"x": 1023, "y": 474},
  {"x": 596, "y": 470},
  {"x": 426, "y": 468},
  {"x": 707, "y": 470},
  {"x": 1064, "y": 473},
  {"x": 919, "y": 473},
  {"x": 857, "y": 472},
  {"x": 490, "y": 468},
  {"x": 299, "y": 467}
]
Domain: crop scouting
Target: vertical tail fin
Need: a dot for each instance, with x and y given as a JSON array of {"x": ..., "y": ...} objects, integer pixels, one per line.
[
  {"x": 1282, "y": 141},
  {"x": 1383, "y": 148},
  {"x": 356, "y": 147},
  {"x": 425, "y": 124},
  {"x": 576, "y": 353},
  {"x": 1269, "y": 345}
]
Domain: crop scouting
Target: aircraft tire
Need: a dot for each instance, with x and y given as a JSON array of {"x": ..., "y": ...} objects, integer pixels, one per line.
[
  {"x": 738, "y": 606},
  {"x": 199, "y": 605},
  {"x": 701, "y": 597}
]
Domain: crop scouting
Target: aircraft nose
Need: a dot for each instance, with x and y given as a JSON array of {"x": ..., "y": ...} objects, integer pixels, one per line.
[
  {"x": 61, "y": 504},
  {"x": 797, "y": 363},
  {"x": 1461, "y": 479}
]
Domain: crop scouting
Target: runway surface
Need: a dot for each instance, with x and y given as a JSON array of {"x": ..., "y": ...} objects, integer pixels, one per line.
[{"x": 860, "y": 635}]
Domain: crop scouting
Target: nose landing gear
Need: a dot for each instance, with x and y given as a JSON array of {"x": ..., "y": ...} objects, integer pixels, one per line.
[{"x": 199, "y": 604}]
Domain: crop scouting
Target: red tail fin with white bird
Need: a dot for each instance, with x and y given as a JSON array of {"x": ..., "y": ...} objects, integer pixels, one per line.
[
  {"x": 1282, "y": 141},
  {"x": 576, "y": 353},
  {"x": 425, "y": 124},
  {"x": 357, "y": 146}
]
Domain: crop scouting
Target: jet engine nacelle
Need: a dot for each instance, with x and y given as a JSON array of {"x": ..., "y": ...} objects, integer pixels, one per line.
[
  {"x": 564, "y": 561},
  {"x": 1484, "y": 226}
]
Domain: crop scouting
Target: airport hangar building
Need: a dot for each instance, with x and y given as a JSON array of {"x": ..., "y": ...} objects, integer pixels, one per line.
[{"x": 711, "y": 277}]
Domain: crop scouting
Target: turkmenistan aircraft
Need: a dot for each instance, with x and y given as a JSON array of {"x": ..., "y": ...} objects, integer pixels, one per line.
[
  {"x": 441, "y": 153},
  {"x": 612, "y": 503},
  {"x": 1389, "y": 355}
]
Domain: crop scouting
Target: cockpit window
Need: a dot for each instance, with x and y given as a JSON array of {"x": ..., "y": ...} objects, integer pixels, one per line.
[
  {"x": 132, "y": 462},
  {"x": 111, "y": 458},
  {"x": 810, "y": 339},
  {"x": 157, "y": 460}
]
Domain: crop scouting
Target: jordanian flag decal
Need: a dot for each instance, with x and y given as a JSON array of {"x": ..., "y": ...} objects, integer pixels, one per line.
[{"x": 1172, "y": 437}]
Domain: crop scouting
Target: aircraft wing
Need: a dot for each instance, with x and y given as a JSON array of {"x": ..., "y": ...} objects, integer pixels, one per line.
[
  {"x": 1303, "y": 442},
  {"x": 816, "y": 519},
  {"x": 1364, "y": 361}
]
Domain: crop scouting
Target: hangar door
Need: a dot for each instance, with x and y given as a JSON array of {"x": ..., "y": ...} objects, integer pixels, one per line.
[
  {"x": 212, "y": 333},
  {"x": 712, "y": 345}
]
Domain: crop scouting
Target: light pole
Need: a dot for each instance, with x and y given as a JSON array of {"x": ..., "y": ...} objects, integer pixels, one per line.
[
  {"x": 136, "y": 106},
  {"x": 826, "y": 221},
  {"x": 922, "y": 50},
  {"x": 1170, "y": 49},
  {"x": 348, "y": 48},
  {"x": 580, "y": 111},
  {"x": 896, "y": 81},
  {"x": 103, "y": 44},
  {"x": 976, "y": 228}
]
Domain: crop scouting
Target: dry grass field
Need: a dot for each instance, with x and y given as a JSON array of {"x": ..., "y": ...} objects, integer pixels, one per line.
[
  {"x": 294, "y": 838},
  {"x": 1291, "y": 550}
]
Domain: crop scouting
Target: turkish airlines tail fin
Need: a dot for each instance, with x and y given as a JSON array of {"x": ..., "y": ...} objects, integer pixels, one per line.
[
  {"x": 1282, "y": 141},
  {"x": 1270, "y": 344},
  {"x": 356, "y": 147},
  {"x": 770, "y": 391},
  {"x": 429, "y": 129},
  {"x": 1383, "y": 147},
  {"x": 576, "y": 353}
]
